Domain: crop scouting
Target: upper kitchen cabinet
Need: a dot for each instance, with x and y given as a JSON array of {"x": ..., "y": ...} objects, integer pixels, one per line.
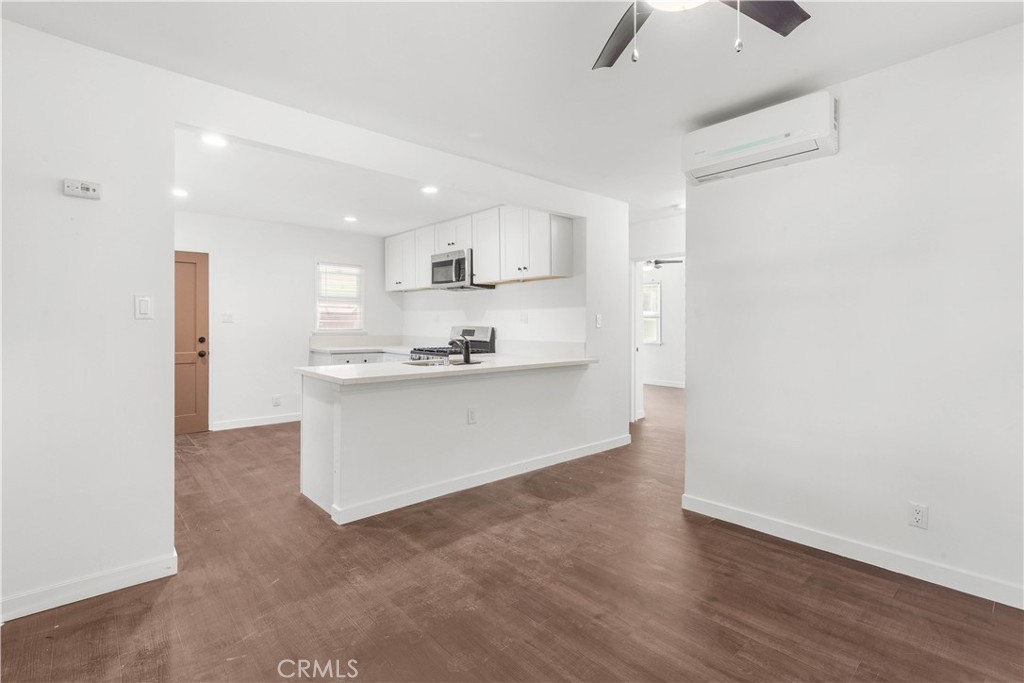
[
  {"x": 425, "y": 248},
  {"x": 454, "y": 235},
  {"x": 487, "y": 247},
  {"x": 534, "y": 244},
  {"x": 400, "y": 262}
]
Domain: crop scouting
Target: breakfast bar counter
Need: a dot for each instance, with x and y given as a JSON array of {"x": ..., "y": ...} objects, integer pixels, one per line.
[
  {"x": 420, "y": 370},
  {"x": 381, "y": 436}
]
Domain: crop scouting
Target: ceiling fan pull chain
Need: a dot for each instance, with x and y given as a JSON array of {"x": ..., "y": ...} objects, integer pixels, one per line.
[
  {"x": 636, "y": 53},
  {"x": 739, "y": 43}
]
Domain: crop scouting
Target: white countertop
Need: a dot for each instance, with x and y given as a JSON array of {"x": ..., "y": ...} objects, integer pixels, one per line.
[{"x": 397, "y": 372}]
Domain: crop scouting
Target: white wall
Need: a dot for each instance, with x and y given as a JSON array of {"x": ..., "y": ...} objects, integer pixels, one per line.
[
  {"x": 664, "y": 364},
  {"x": 88, "y": 431},
  {"x": 540, "y": 311},
  {"x": 658, "y": 237},
  {"x": 262, "y": 275},
  {"x": 88, "y": 485},
  {"x": 854, "y": 329}
]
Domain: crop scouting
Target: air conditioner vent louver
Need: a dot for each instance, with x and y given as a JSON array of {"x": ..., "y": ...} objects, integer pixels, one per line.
[{"x": 804, "y": 128}]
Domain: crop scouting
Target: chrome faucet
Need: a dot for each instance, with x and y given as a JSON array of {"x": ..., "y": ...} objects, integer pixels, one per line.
[{"x": 463, "y": 346}]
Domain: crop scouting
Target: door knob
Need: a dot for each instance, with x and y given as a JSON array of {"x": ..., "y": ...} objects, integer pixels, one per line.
[
  {"x": 202, "y": 340},
  {"x": 202, "y": 354}
]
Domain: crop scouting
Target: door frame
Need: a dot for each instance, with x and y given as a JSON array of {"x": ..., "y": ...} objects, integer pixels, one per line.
[
  {"x": 636, "y": 278},
  {"x": 202, "y": 261}
]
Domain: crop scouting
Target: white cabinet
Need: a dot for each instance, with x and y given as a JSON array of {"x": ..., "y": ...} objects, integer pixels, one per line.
[
  {"x": 424, "y": 250},
  {"x": 343, "y": 358},
  {"x": 486, "y": 246},
  {"x": 454, "y": 235},
  {"x": 513, "y": 241},
  {"x": 510, "y": 244},
  {"x": 394, "y": 357},
  {"x": 400, "y": 262},
  {"x": 534, "y": 244}
]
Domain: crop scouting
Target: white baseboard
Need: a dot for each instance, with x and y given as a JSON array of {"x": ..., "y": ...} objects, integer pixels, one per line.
[
  {"x": 255, "y": 421},
  {"x": 666, "y": 383},
  {"x": 350, "y": 513},
  {"x": 30, "y": 602},
  {"x": 958, "y": 579}
]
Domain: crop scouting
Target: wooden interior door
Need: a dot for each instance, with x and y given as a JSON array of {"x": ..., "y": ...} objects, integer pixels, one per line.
[{"x": 191, "y": 342}]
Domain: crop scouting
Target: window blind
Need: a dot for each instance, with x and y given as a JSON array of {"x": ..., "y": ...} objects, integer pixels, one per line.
[
  {"x": 652, "y": 312},
  {"x": 339, "y": 297}
]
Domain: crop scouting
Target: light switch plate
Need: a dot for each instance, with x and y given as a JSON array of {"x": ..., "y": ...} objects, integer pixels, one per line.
[{"x": 143, "y": 307}]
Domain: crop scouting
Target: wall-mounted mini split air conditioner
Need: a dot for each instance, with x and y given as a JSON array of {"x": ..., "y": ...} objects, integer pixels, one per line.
[{"x": 801, "y": 129}]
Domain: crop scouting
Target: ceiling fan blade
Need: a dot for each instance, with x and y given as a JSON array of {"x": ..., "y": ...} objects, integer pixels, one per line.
[
  {"x": 781, "y": 16},
  {"x": 622, "y": 35}
]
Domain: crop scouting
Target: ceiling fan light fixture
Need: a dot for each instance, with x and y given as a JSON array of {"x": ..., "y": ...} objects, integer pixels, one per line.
[{"x": 675, "y": 5}]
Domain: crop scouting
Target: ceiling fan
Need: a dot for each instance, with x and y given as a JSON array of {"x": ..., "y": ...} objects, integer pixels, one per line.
[
  {"x": 658, "y": 263},
  {"x": 781, "y": 16}
]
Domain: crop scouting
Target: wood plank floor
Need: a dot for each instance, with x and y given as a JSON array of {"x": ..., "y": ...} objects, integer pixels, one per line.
[{"x": 587, "y": 571}]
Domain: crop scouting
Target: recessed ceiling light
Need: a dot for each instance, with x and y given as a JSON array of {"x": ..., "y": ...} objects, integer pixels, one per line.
[
  {"x": 215, "y": 140},
  {"x": 350, "y": 219},
  {"x": 178, "y": 192},
  {"x": 428, "y": 189}
]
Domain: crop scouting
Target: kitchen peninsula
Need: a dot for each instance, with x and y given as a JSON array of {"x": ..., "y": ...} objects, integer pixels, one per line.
[{"x": 381, "y": 436}]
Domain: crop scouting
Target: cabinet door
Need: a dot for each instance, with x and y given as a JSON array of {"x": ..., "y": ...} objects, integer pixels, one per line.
[
  {"x": 424, "y": 250},
  {"x": 373, "y": 357},
  {"x": 346, "y": 358},
  {"x": 408, "y": 260},
  {"x": 538, "y": 245},
  {"x": 463, "y": 233},
  {"x": 393, "y": 263},
  {"x": 486, "y": 246},
  {"x": 513, "y": 241},
  {"x": 454, "y": 235}
]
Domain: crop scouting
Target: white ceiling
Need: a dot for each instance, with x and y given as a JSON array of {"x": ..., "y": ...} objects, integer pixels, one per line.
[
  {"x": 510, "y": 83},
  {"x": 247, "y": 180}
]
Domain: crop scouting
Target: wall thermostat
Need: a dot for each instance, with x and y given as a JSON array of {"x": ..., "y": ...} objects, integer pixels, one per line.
[{"x": 82, "y": 188}]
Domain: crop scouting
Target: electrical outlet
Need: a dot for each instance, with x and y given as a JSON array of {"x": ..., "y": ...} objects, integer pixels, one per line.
[
  {"x": 598, "y": 320},
  {"x": 471, "y": 416},
  {"x": 917, "y": 515},
  {"x": 524, "y": 317},
  {"x": 275, "y": 400}
]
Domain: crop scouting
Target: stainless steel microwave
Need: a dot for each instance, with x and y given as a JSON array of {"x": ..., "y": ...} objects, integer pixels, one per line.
[{"x": 454, "y": 270}]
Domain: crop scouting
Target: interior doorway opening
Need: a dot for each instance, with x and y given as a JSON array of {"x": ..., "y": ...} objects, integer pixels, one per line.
[{"x": 659, "y": 326}]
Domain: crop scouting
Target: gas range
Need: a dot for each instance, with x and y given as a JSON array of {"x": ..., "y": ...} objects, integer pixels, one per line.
[{"x": 481, "y": 341}]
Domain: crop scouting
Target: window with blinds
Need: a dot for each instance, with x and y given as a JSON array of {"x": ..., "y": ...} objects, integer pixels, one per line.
[
  {"x": 652, "y": 313},
  {"x": 339, "y": 298}
]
